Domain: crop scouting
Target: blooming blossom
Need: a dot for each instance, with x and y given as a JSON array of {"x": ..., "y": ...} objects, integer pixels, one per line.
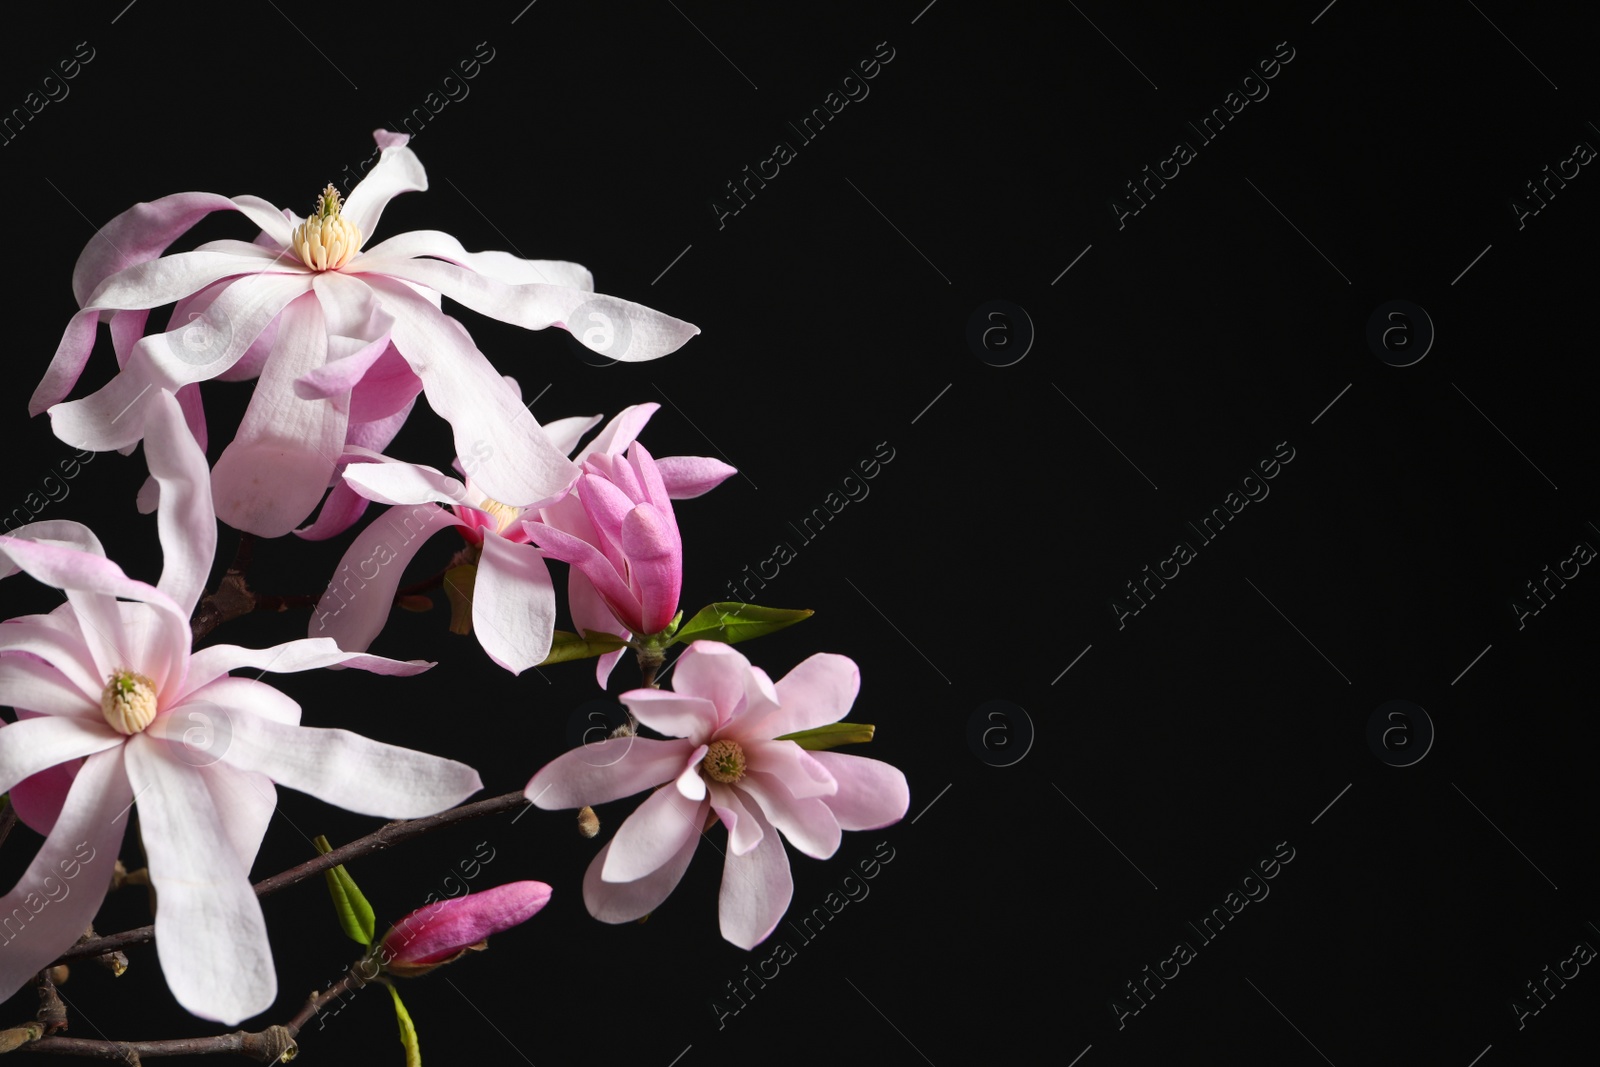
[
  {"x": 438, "y": 933},
  {"x": 340, "y": 336},
  {"x": 115, "y": 710},
  {"x": 513, "y": 598},
  {"x": 725, "y": 763}
]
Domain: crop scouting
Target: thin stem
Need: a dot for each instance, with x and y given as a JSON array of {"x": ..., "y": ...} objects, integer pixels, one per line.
[{"x": 385, "y": 836}]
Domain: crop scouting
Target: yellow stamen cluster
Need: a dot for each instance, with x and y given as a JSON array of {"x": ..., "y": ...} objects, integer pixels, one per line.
[
  {"x": 503, "y": 514},
  {"x": 724, "y": 761},
  {"x": 326, "y": 240},
  {"x": 129, "y": 702}
]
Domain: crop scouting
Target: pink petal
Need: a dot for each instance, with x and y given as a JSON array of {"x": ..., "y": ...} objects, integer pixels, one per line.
[
  {"x": 558, "y": 544},
  {"x": 145, "y": 230},
  {"x": 387, "y": 388},
  {"x": 871, "y": 795},
  {"x": 513, "y": 604},
  {"x": 356, "y": 604},
  {"x": 672, "y": 713},
  {"x": 66, "y": 366},
  {"x": 589, "y": 612},
  {"x": 65, "y": 883},
  {"x": 686, "y": 477},
  {"x": 188, "y": 525},
  {"x": 652, "y": 835},
  {"x": 807, "y": 822},
  {"x": 440, "y": 930},
  {"x": 819, "y": 691},
  {"x": 744, "y": 829},
  {"x": 756, "y": 890},
  {"x": 689, "y": 782},
  {"x": 522, "y": 469},
  {"x": 796, "y": 768},
  {"x": 39, "y": 799},
  {"x": 238, "y": 694},
  {"x": 398, "y": 171},
  {"x": 623, "y": 902},
  {"x": 274, "y": 472},
  {"x": 715, "y": 672},
  {"x": 92, "y": 584},
  {"x": 606, "y": 770},
  {"x": 655, "y": 565},
  {"x": 55, "y": 639},
  {"x": 210, "y": 934}
]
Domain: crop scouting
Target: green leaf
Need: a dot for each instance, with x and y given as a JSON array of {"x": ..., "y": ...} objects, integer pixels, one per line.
[
  {"x": 356, "y": 918},
  {"x": 565, "y": 645},
  {"x": 831, "y": 736},
  {"x": 408, "y": 1032},
  {"x": 731, "y": 621}
]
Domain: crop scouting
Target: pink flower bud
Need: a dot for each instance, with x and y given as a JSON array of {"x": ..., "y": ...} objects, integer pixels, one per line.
[{"x": 443, "y": 931}]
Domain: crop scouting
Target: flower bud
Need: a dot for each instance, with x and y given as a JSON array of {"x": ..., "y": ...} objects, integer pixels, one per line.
[{"x": 445, "y": 931}]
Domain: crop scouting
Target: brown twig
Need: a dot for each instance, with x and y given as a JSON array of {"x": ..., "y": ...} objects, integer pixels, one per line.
[
  {"x": 275, "y": 1044},
  {"x": 389, "y": 834}
]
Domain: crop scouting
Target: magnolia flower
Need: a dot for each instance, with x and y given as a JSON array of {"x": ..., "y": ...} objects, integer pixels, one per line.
[
  {"x": 618, "y": 531},
  {"x": 315, "y": 316},
  {"x": 114, "y": 709},
  {"x": 728, "y": 764},
  {"x": 513, "y": 598},
  {"x": 443, "y": 931}
]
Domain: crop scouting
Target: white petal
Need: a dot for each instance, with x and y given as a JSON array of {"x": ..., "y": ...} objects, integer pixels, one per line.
[
  {"x": 615, "y": 328},
  {"x": 513, "y": 604},
  {"x": 280, "y": 462},
  {"x": 522, "y": 468},
  {"x": 398, "y": 171},
  {"x": 395, "y": 482},
  {"x": 210, "y": 934},
  {"x": 306, "y": 654},
  {"x": 501, "y": 266},
  {"x": 62, "y": 888},
  {"x": 35, "y": 744},
  {"x": 346, "y": 769}
]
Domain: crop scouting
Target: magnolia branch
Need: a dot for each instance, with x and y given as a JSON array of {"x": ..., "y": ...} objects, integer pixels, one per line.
[
  {"x": 385, "y": 836},
  {"x": 275, "y": 1044}
]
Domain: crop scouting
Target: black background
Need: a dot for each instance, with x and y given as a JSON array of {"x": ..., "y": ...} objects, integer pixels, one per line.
[{"x": 1227, "y": 716}]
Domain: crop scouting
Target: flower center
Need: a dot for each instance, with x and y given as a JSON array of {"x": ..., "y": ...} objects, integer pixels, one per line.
[
  {"x": 724, "y": 761},
  {"x": 326, "y": 240},
  {"x": 129, "y": 701},
  {"x": 503, "y": 514}
]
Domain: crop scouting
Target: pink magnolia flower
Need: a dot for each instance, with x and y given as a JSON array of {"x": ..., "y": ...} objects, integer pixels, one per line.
[
  {"x": 440, "y": 932},
  {"x": 114, "y": 709},
  {"x": 618, "y": 531},
  {"x": 726, "y": 762},
  {"x": 339, "y": 337},
  {"x": 513, "y": 598}
]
